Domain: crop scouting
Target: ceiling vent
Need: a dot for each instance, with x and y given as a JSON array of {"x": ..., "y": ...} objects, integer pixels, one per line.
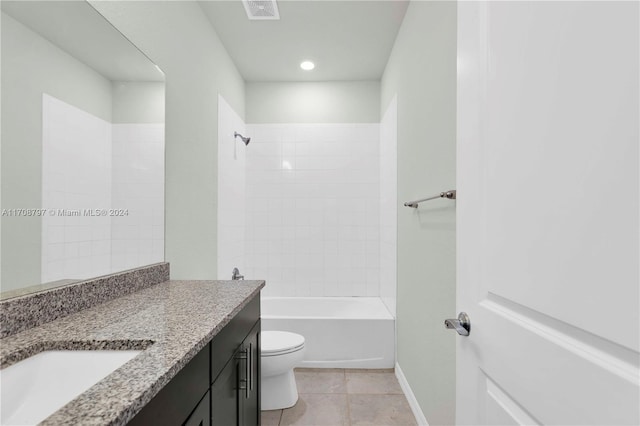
[{"x": 261, "y": 9}]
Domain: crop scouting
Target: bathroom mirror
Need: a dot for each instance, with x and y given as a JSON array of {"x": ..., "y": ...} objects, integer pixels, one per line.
[{"x": 82, "y": 154}]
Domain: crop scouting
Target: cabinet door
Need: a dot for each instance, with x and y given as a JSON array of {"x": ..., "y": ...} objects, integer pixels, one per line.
[
  {"x": 224, "y": 395},
  {"x": 200, "y": 416},
  {"x": 177, "y": 400},
  {"x": 250, "y": 397}
]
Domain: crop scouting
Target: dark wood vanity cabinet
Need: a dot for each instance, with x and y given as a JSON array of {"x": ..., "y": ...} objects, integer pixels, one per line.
[
  {"x": 220, "y": 386},
  {"x": 235, "y": 370},
  {"x": 201, "y": 416},
  {"x": 235, "y": 393},
  {"x": 250, "y": 404},
  {"x": 225, "y": 396}
]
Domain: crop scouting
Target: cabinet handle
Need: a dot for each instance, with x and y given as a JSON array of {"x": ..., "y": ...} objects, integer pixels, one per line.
[
  {"x": 250, "y": 367},
  {"x": 245, "y": 355},
  {"x": 247, "y": 372},
  {"x": 242, "y": 385}
]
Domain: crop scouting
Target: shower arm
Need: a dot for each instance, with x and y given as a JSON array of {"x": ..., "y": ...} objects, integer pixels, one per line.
[{"x": 242, "y": 138}]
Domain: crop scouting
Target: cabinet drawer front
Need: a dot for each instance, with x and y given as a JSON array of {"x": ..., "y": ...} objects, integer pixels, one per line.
[{"x": 227, "y": 341}]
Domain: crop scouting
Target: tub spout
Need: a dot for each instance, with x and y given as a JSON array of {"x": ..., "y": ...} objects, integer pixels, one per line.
[{"x": 235, "y": 275}]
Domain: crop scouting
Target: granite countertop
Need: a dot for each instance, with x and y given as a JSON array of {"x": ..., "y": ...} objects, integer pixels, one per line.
[{"x": 172, "y": 321}]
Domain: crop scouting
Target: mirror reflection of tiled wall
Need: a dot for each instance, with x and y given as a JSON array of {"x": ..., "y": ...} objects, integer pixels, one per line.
[{"x": 91, "y": 166}]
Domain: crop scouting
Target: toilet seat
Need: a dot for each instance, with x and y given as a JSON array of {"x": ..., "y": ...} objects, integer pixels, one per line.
[{"x": 274, "y": 343}]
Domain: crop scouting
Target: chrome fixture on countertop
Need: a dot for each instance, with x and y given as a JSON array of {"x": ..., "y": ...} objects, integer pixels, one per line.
[{"x": 235, "y": 275}]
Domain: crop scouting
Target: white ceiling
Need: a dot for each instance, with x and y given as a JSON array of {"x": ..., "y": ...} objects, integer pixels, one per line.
[
  {"x": 78, "y": 29},
  {"x": 347, "y": 40}
]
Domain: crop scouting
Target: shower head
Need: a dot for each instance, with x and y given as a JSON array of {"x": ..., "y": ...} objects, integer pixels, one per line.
[{"x": 245, "y": 140}]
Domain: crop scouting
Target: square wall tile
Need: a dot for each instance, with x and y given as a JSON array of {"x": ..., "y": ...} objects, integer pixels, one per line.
[{"x": 324, "y": 213}]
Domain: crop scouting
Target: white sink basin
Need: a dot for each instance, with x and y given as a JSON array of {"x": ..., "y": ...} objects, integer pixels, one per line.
[{"x": 35, "y": 388}]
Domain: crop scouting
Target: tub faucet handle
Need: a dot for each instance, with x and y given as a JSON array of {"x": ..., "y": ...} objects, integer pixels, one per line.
[{"x": 235, "y": 275}]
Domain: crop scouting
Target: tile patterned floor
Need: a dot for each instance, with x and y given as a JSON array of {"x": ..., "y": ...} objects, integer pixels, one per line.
[{"x": 335, "y": 397}]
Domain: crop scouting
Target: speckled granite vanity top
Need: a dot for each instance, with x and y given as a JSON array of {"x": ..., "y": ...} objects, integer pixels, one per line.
[{"x": 172, "y": 321}]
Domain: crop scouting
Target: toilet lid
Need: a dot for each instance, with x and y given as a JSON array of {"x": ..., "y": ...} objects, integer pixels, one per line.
[{"x": 274, "y": 342}]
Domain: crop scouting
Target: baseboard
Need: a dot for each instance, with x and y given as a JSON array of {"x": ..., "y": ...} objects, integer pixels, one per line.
[{"x": 411, "y": 398}]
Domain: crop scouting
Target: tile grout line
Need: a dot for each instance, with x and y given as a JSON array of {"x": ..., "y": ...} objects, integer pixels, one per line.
[
  {"x": 346, "y": 389},
  {"x": 370, "y": 394},
  {"x": 328, "y": 393}
]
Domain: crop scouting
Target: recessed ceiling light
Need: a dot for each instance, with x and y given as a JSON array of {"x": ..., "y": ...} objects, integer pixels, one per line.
[{"x": 307, "y": 65}]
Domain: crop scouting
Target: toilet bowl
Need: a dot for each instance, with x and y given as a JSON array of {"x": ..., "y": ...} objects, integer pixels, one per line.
[{"x": 280, "y": 352}]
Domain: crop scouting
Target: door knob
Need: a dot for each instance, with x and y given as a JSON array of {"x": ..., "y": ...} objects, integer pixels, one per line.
[{"x": 462, "y": 325}]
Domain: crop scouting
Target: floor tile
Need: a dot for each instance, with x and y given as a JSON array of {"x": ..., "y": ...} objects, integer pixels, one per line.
[
  {"x": 320, "y": 370},
  {"x": 373, "y": 383},
  {"x": 369, "y": 370},
  {"x": 270, "y": 418},
  {"x": 320, "y": 381},
  {"x": 317, "y": 410},
  {"x": 387, "y": 410}
]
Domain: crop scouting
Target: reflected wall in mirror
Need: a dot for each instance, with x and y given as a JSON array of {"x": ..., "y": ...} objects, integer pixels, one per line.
[{"x": 82, "y": 149}]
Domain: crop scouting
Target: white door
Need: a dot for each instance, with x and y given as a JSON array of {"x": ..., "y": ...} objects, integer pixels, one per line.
[{"x": 548, "y": 258}]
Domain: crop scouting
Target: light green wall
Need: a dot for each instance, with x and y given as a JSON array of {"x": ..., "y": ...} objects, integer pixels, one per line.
[
  {"x": 179, "y": 39},
  {"x": 138, "y": 102},
  {"x": 422, "y": 71},
  {"x": 313, "y": 102},
  {"x": 32, "y": 66}
]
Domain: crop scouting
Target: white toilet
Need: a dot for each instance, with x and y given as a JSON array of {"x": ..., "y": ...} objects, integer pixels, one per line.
[{"x": 280, "y": 352}]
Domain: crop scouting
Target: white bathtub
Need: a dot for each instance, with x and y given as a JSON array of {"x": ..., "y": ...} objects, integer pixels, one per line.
[{"x": 340, "y": 332}]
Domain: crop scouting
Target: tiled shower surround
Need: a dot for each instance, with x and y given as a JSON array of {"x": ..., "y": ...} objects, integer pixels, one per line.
[
  {"x": 313, "y": 209},
  {"x": 389, "y": 205},
  {"x": 310, "y": 208}
]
